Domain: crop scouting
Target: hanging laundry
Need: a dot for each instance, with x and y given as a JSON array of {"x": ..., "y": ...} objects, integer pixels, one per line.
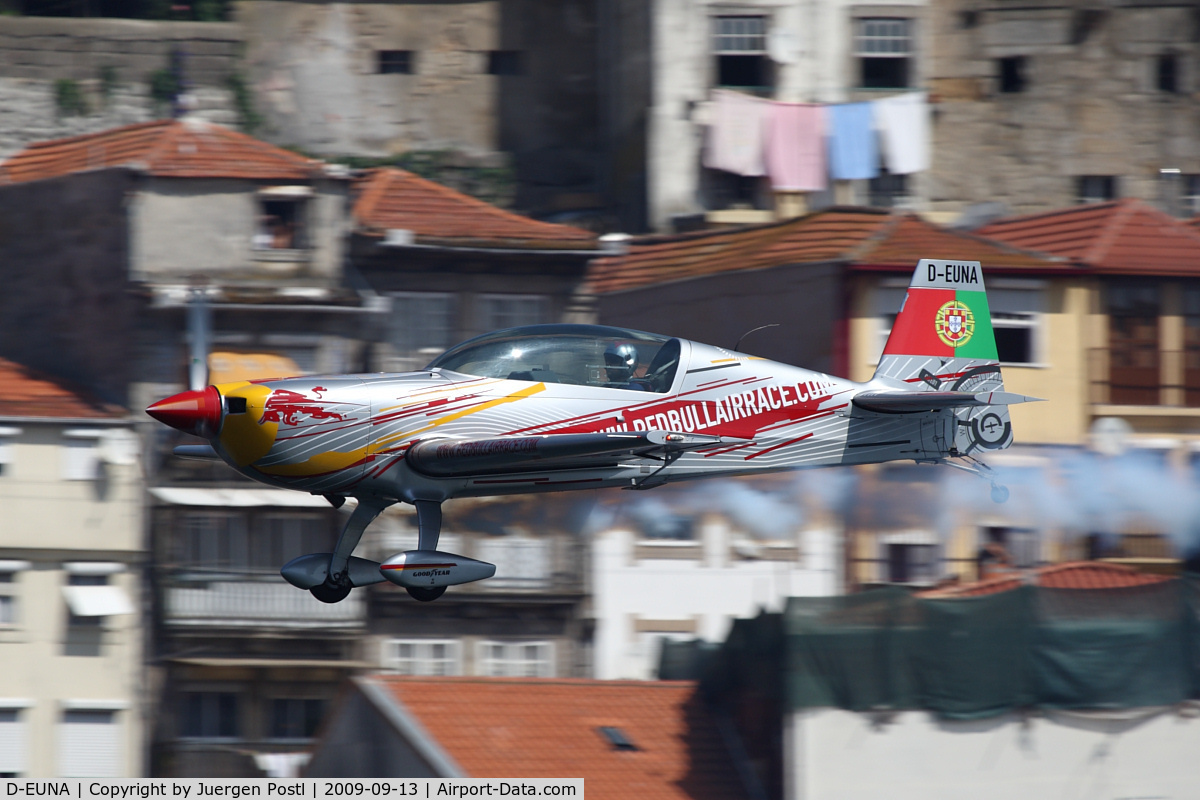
[
  {"x": 795, "y": 147},
  {"x": 903, "y": 123},
  {"x": 735, "y": 133},
  {"x": 853, "y": 151}
]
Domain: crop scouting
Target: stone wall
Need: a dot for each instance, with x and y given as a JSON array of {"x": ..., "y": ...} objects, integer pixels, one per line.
[
  {"x": 110, "y": 62},
  {"x": 46, "y": 49},
  {"x": 1090, "y": 104}
]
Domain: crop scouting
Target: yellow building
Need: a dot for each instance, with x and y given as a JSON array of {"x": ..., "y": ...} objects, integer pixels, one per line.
[{"x": 1108, "y": 332}]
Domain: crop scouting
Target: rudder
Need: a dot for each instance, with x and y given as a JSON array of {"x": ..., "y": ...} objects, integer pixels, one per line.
[{"x": 943, "y": 338}]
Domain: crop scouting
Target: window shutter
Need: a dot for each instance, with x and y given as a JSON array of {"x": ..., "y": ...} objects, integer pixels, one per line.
[
  {"x": 12, "y": 742},
  {"x": 89, "y": 745}
]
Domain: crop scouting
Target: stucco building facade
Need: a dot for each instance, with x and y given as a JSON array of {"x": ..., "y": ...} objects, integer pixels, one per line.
[{"x": 72, "y": 609}]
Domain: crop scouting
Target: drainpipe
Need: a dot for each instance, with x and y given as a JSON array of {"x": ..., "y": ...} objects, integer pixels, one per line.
[{"x": 199, "y": 333}]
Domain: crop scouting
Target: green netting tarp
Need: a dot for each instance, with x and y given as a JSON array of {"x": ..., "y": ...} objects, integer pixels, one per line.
[{"x": 973, "y": 657}]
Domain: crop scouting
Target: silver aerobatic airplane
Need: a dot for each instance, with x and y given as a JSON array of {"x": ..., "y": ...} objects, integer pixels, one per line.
[{"x": 554, "y": 407}]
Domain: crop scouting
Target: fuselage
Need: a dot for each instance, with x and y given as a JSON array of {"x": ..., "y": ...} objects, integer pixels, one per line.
[{"x": 348, "y": 434}]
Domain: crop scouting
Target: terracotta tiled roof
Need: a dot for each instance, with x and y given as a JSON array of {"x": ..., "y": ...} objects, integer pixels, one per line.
[
  {"x": 1071, "y": 575},
  {"x": 436, "y": 214},
  {"x": 1125, "y": 236},
  {"x": 542, "y": 728},
  {"x": 862, "y": 237},
  {"x": 168, "y": 148},
  {"x": 27, "y": 393}
]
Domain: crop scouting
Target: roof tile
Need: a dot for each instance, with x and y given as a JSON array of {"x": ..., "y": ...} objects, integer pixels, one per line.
[
  {"x": 27, "y": 393},
  {"x": 167, "y": 148},
  {"x": 864, "y": 237},
  {"x": 1126, "y": 236},
  {"x": 543, "y": 728},
  {"x": 1071, "y": 575},
  {"x": 436, "y": 214}
]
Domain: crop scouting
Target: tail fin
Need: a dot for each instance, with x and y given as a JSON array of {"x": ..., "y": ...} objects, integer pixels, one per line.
[{"x": 942, "y": 340}]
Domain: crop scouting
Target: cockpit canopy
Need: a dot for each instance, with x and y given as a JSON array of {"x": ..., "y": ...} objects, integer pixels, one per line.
[{"x": 585, "y": 355}]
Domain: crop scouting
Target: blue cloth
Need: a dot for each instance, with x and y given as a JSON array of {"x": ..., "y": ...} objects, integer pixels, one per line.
[{"x": 853, "y": 151}]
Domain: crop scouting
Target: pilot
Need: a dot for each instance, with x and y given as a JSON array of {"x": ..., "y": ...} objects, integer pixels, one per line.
[{"x": 620, "y": 360}]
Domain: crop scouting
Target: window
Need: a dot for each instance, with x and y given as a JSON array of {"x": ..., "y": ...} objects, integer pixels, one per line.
[
  {"x": 1191, "y": 345},
  {"x": 81, "y": 457},
  {"x": 86, "y": 608},
  {"x": 1015, "y": 337},
  {"x": 1133, "y": 341},
  {"x": 887, "y": 190},
  {"x": 516, "y": 659},
  {"x": 421, "y": 322},
  {"x": 1167, "y": 73},
  {"x": 883, "y": 47},
  {"x": 1012, "y": 74},
  {"x": 498, "y": 311},
  {"x": 89, "y": 744},
  {"x": 278, "y": 538},
  {"x": 394, "y": 62},
  {"x": 296, "y": 717},
  {"x": 521, "y": 562},
  {"x": 210, "y": 715},
  {"x": 912, "y": 563},
  {"x": 212, "y": 540},
  {"x": 8, "y": 595},
  {"x": 283, "y": 218},
  {"x": 7, "y": 451},
  {"x": 1019, "y": 544},
  {"x": 740, "y": 48},
  {"x": 504, "y": 62},
  {"x": 13, "y": 738},
  {"x": 1096, "y": 188},
  {"x": 1190, "y": 202},
  {"x": 423, "y": 656}
]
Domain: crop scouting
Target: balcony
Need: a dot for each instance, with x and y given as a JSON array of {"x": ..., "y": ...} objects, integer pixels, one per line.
[{"x": 254, "y": 601}]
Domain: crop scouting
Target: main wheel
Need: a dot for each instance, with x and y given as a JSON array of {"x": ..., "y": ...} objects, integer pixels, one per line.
[
  {"x": 328, "y": 593},
  {"x": 425, "y": 595}
]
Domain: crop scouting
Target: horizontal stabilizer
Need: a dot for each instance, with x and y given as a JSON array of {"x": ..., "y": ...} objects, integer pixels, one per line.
[
  {"x": 916, "y": 402},
  {"x": 444, "y": 458},
  {"x": 199, "y": 452}
]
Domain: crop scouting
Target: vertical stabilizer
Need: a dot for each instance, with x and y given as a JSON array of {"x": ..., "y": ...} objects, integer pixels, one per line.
[{"x": 942, "y": 340}]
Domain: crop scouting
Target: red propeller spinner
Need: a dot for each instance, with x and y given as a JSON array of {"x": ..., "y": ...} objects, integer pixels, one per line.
[{"x": 197, "y": 412}]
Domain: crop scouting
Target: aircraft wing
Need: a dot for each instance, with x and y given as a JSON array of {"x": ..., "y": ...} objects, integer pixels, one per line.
[
  {"x": 915, "y": 402},
  {"x": 447, "y": 458}
]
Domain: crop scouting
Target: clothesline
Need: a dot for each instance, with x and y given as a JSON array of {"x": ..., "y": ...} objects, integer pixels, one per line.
[{"x": 801, "y": 146}]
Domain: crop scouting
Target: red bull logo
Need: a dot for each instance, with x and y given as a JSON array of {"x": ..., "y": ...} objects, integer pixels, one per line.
[{"x": 290, "y": 408}]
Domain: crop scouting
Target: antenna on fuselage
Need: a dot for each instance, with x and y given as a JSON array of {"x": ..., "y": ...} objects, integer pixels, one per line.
[{"x": 738, "y": 347}]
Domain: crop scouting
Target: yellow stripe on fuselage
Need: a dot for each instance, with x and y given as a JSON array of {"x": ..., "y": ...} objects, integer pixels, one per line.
[
  {"x": 333, "y": 461},
  {"x": 509, "y": 398}
]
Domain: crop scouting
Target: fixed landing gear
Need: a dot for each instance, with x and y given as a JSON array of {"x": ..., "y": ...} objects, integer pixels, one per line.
[
  {"x": 330, "y": 593},
  {"x": 424, "y": 573},
  {"x": 337, "y": 583},
  {"x": 425, "y": 594},
  {"x": 978, "y": 468}
]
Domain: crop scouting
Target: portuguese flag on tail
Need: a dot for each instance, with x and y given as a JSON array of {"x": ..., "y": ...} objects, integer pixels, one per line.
[{"x": 943, "y": 322}]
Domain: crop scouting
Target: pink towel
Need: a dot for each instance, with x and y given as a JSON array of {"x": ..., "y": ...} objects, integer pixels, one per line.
[
  {"x": 735, "y": 134},
  {"x": 795, "y": 147}
]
